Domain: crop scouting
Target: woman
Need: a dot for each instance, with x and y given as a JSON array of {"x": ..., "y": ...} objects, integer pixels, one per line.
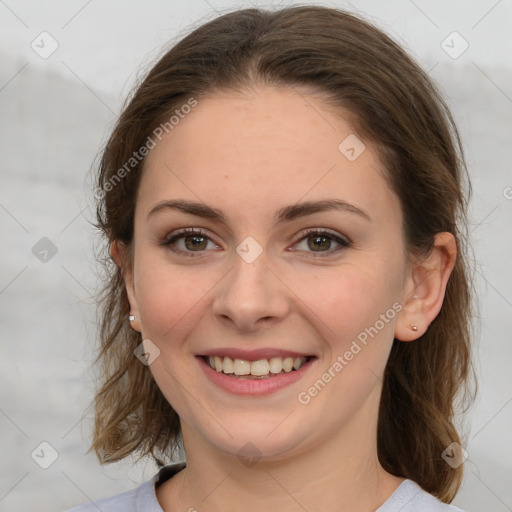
[{"x": 283, "y": 198}]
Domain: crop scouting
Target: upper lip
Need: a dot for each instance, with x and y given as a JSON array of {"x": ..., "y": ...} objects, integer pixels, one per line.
[{"x": 252, "y": 355}]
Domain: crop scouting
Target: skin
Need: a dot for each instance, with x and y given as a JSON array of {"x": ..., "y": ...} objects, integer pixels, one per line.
[{"x": 250, "y": 154}]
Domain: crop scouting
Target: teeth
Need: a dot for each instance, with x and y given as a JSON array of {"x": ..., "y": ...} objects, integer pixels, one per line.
[
  {"x": 242, "y": 367},
  {"x": 258, "y": 368},
  {"x": 288, "y": 364},
  {"x": 276, "y": 365},
  {"x": 228, "y": 366}
]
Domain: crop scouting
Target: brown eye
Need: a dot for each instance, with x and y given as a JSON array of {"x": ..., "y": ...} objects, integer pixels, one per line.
[
  {"x": 193, "y": 242},
  {"x": 188, "y": 241},
  {"x": 321, "y": 241}
]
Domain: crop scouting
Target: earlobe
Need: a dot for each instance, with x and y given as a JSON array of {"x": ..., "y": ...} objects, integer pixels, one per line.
[
  {"x": 425, "y": 288},
  {"x": 117, "y": 251}
]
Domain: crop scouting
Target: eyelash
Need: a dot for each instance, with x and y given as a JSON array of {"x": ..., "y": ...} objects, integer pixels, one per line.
[{"x": 183, "y": 233}]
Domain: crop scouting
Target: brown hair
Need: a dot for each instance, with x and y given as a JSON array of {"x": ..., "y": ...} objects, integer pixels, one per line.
[{"x": 392, "y": 103}]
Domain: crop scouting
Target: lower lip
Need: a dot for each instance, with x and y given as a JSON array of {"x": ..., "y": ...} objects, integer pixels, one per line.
[{"x": 257, "y": 387}]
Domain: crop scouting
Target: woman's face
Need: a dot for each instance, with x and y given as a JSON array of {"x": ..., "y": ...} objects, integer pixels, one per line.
[{"x": 267, "y": 279}]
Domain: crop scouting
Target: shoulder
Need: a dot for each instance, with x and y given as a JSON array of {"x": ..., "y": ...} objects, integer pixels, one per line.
[
  {"x": 410, "y": 497},
  {"x": 124, "y": 501},
  {"x": 142, "y": 498}
]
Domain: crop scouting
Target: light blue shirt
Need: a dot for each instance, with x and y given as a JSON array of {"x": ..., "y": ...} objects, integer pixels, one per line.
[{"x": 408, "y": 497}]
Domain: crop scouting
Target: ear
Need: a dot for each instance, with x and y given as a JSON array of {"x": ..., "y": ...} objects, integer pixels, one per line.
[
  {"x": 117, "y": 251},
  {"x": 425, "y": 288}
]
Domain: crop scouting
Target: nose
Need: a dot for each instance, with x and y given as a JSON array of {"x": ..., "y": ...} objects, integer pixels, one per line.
[{"x": 251, "y": 296}]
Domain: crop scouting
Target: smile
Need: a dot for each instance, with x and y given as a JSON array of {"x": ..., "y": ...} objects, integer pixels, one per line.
[{"x": 261, "y": 368}]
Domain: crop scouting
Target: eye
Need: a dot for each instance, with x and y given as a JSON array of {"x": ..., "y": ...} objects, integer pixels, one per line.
[
  {"x": 194, "y": 241},
  {"x": 320, "y": 240}
]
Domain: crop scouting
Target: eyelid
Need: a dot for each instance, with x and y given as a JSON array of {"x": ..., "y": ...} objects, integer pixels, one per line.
[
  {"x": 187, "y": 231},
  {"x": 324, "y": 231},
  {"x": 343, "y": 243},
  {"x": 183, "y": 232}
]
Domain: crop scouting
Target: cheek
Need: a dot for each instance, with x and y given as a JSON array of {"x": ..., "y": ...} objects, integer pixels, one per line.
[
  {"x": 357, "y": 307},
  {"x": 169, "y": 298},
  {"x": 346, "y": 300}
]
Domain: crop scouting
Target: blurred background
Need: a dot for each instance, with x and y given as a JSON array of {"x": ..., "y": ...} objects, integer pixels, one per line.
[{"x": 65, "y": 69}]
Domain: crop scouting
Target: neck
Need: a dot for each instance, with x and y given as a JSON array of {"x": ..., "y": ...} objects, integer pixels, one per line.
[{"x": 342, "y": 473}]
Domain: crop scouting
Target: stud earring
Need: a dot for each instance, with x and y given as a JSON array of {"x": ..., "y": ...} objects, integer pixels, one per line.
[
  {"x": 131, "y": 318},
  {"x": 413, "y": 327}
]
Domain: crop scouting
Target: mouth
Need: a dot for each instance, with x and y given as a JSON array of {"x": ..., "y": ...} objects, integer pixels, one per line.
[{"x": 255, "y": 370}]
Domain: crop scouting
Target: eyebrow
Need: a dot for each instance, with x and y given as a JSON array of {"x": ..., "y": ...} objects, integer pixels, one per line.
[{"x": 286, "y": 214}]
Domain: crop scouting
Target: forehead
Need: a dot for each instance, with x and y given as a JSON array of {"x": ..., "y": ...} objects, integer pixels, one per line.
[{"x": 265, "y": 146}]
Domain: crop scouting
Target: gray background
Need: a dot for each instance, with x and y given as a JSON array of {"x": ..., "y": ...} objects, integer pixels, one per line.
[{"x": 55, "y": 114}]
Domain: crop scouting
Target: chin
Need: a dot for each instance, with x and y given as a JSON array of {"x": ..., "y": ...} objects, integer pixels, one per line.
[{"x": 263, "y": 440}]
